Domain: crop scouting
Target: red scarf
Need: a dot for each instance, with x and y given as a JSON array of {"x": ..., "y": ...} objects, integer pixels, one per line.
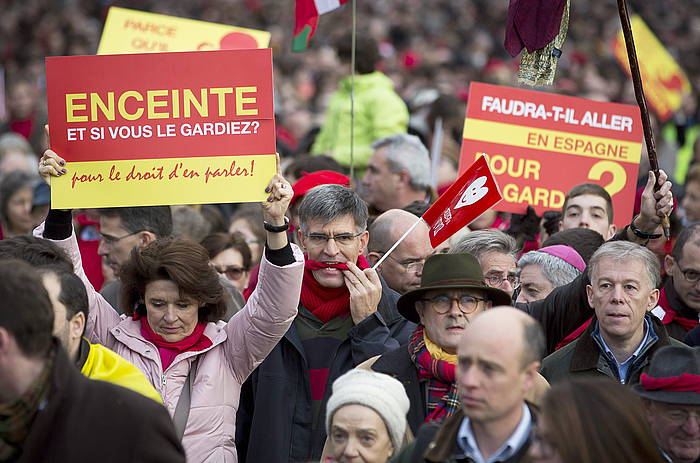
[
  {"x": 672, "y": 316},
  {"x": 169, "y": 350},
  {"x": 326, "y": 303},
  {"x": 683, "y": 383}
]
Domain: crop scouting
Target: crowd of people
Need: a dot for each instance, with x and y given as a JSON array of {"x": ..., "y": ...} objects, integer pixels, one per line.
[{"x": 291, "y": 331}]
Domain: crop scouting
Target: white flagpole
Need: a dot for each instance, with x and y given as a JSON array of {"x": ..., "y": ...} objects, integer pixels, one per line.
[
  {"x": 436, "y": 153},
  {"x": 395, "y": 245}
]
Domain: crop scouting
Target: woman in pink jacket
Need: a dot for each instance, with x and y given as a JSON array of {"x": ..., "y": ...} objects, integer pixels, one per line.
[{"x": 172, "y": 334}]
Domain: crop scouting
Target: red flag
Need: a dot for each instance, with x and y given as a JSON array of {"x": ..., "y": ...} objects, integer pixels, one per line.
[
  {"x": 471, "y": 195},
  {"x": 306, "y": 20}
]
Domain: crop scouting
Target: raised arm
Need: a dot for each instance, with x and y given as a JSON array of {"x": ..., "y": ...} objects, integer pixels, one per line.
[
  {"x": 58, "y": 228},
  {"x": 255, "y": 330}
]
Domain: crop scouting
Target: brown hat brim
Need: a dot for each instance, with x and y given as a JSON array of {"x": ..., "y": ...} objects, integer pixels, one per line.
[{"x": 406, "y": 304}]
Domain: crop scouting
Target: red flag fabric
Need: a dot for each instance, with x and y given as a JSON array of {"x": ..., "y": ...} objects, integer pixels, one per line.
[
  {"x": 470, "y": 195},
  {"x": 306, "y": 20}
]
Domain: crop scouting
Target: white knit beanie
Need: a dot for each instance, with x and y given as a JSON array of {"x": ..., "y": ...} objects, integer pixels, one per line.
[{"x": 382, "y": 393}]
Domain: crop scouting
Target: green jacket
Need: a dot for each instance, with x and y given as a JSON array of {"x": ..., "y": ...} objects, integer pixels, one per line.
[
  {"x": 379, "y": 112},
  {"x": 583, "y": 357}
]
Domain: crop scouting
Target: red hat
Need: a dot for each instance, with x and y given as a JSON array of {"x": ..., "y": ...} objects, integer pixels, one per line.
[{"x": 321, "y": 177}]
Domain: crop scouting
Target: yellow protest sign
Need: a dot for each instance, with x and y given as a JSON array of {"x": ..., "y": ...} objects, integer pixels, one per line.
[
  {"x": 131, "y": 31},
  {"x": 664, "y": 81}
]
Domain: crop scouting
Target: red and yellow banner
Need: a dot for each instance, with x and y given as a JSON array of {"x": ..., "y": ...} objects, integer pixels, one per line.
[
  {"x": 540, "y": 145},
  {"x": 132, "y": 31},
  {"x": 663, "y": 79},
  {"x": 166, "y": 128}
]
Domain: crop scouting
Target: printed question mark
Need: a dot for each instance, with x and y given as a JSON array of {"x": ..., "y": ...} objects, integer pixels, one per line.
[
  {"x": 255, "y": 125},
  {"x": 473, "y": 193},
  {"x": 619, "y": 176}
]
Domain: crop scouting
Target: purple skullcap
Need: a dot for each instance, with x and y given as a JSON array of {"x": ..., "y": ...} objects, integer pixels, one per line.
[{"x": 567, "y": 254}]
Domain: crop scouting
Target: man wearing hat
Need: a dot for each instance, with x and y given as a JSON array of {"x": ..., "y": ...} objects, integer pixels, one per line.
[
  {"x": 452, "y": 291},
  {"x": 670, "y": 391}
]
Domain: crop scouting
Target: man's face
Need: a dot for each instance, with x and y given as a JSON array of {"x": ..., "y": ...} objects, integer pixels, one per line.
[
  {"x": 688, "y": 267},
  {"x": 588, "y": 211},
  {"x": 116, "y": 242},
  {"x": 67, "y": 331},
  {"x": 691, "y": 201},
  {"x": 533, "y": 284},
  {"x": 621, "y": 293},
  {"x": 491, "y": 377},
  {"x": 676, "y": 429},
  {"x": 499, "y": 269},
  {"x": 445, "y": 329},
  {"x": 379, "y": 182},
  {"x": 332, "y": 251},
  {"x": 403, "y": 269}
]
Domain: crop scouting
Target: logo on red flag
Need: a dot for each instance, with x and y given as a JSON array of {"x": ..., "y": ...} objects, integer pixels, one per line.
[{"x": 472, "y": 194}]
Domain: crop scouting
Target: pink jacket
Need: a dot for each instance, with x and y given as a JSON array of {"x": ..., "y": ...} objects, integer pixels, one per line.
[{"x": 238, "y": 347}]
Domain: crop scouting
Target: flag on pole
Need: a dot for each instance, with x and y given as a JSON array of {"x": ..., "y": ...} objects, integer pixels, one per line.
[
  {"x": 474, "y": 192},
  {"x": 307, "y": 13}
]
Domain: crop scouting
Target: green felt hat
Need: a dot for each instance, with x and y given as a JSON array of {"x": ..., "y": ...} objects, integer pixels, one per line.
[{"x": 449, "y": 271}]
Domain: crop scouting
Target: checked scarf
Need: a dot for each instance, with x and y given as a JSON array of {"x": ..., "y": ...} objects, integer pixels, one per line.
[
  {"x": 443, "y": 399},
  {"x": 16, "y": 418}
]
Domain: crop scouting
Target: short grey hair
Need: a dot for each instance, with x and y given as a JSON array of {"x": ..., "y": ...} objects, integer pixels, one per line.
[
  {"x": 328, "y": 202},
  {"x": 623, "y": 251},
  {"x": 556, "y": 270},
  {"x": 479, "y": 242},
  {"x": 407, "y": 152}
]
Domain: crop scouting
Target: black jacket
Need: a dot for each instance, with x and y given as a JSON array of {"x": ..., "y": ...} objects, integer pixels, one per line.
[
  {"x": 95, "y": 421},
  {"x": 398, "y": 363},
  {"x": 274, "y": 418}
]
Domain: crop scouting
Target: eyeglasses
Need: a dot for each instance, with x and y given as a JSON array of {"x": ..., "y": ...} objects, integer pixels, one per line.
[
  {"x": 496, "y": 281},
  {"x": 691, "y": 275},
  {"x": 341, "y": 239},
  {"x": 443, "y": 303},
  {"x": 109, "y": 239},
  {"x": 679, "y": 417},
  {"x": 410, "y": 265},
  {"x": 232, "y": 272}
]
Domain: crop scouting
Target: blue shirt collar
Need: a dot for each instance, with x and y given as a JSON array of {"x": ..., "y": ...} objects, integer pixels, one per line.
[
  {"x": 467, "y": 441},
  {"x": 623, "y": 367}
]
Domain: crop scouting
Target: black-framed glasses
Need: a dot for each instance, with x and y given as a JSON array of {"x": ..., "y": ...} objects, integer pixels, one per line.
[
  {"x": 109, "y": 239},
  {"x": 341, "y": 239},
  {"x": 496, "y": 281},
  {"x": 409, "y": 265},
  {"x": 232, "y": 272},
  {"x": 691, "y": 275},
  {"x": 442, "y": 303}
]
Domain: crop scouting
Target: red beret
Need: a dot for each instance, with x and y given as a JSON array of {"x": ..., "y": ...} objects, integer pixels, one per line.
[{"x": 321, "y": 177}]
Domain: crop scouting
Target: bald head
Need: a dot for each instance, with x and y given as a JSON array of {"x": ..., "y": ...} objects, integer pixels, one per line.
[
  {"x": 404, "y": 267},
  {"x": 504, "y": 325},
  {"x": 388, "y": 228}
]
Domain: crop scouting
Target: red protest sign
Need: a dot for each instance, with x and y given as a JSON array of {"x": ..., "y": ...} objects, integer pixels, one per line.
[
  {"x": 468, "y": 197},
  {"x": 191, "y": 127},
  {"x": 540, "y": 145}
]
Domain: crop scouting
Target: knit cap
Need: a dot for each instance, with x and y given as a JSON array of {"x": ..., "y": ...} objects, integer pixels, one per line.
[
  {"x": 382, "y": 393},
  {"x": 567, "y": 254}
]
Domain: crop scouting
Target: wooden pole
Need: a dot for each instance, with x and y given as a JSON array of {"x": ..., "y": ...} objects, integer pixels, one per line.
[{"x": 641, "y": 100}]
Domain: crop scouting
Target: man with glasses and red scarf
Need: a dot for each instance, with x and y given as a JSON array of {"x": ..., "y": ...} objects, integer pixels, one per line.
[{"x": 347, "y": 314}]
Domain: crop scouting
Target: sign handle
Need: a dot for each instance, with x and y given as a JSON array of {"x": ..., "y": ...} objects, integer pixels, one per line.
[{"x": 395, "y": 245}]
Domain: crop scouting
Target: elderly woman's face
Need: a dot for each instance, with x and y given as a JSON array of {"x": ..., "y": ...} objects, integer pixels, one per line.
[
  {"x": 172, "y": 316},
  {"x": 358, "y": 434}
]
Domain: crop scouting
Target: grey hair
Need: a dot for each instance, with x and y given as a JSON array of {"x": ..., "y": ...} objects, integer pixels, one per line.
[
  {"x": 623, "y": 251},
  {"x": 328, "y": 202},
  {"x": 407, "y": 152},
  {"x": 479, "y": 242},
  {"x": 11, "y": 141},
  {"x": 557, "y": 271}
]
